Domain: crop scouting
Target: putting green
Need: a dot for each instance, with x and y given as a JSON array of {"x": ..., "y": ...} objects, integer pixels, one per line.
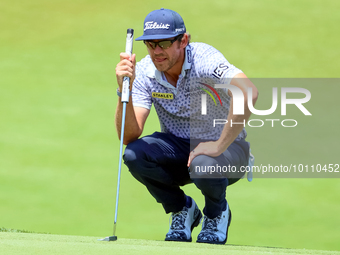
[
  {"x": 26, "y": 243},
  {"x": 59, "y": 148}
]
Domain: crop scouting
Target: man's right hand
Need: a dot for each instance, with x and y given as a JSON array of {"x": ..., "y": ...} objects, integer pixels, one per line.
[{"x": 126, "y": 68}]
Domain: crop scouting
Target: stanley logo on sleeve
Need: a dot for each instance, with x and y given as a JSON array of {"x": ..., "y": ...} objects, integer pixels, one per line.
[{"x": 163, "y": 95}]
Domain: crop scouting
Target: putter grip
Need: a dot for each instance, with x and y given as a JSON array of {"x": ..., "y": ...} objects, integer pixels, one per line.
[{"x": 126, "y": 81}]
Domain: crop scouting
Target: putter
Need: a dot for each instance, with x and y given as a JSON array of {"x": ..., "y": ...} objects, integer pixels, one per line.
[{"x": 124, "y": 100}]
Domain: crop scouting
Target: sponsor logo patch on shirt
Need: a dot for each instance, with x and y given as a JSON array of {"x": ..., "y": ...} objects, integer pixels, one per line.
[
  {"x": 189, "y": 55},
  {"x": 220, "y": 70},
  {"x": 163, "y": 95}
]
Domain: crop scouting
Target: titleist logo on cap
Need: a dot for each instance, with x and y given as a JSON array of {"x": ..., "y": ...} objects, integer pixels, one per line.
[{"x": 155, "y": 25}]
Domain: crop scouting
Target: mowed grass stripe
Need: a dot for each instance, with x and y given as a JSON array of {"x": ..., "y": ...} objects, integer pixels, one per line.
[{"x": 27, "y": 243}]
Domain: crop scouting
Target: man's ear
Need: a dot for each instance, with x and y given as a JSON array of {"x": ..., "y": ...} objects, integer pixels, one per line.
[{"x": 184, "y": 41}]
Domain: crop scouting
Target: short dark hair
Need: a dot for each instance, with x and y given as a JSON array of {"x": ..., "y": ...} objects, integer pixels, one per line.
[{"x": 179, "y": 37}]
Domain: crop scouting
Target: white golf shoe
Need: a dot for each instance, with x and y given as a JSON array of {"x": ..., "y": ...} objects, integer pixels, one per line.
[
  {"x": 183, "y": 223},
  {"x": 215, "y": 231}
]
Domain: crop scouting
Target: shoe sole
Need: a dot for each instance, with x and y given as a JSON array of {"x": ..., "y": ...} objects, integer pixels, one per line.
[
  {"x": 226, "y": 236},
  {"x": 194, "y": 224}
]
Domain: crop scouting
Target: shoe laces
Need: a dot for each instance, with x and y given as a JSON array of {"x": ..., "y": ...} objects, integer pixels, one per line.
[
  {"x": 178, "y": 219},
  {"x": 211, "y": 224}
]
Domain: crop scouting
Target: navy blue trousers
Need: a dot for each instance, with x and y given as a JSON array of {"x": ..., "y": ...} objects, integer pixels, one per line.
[{"x": 159, "y": 161}]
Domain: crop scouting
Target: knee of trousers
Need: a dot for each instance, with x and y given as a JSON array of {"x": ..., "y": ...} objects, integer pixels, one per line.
[
  {"x": 210, "y": 183},
  {"x": 203, "y": 166},
  {"x": 134, "y": 156}
]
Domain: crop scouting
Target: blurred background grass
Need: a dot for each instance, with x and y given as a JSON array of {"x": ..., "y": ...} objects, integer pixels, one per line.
[{"x": 58, "y": 144}]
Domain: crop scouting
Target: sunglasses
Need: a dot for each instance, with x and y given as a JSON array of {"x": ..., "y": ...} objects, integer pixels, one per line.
[{"x": 162, "y": 44}]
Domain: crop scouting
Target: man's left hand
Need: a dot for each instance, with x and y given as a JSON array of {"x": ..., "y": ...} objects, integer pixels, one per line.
[{"x": 211, "y": 149}]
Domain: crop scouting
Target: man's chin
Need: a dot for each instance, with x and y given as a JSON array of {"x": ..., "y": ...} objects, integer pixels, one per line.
[{"x": 161, "y": 68}]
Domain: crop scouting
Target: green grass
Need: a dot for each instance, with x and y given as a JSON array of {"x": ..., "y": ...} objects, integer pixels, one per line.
[
  {"x": 59, "y": 149},
  {"x": 46, "y": 244}
]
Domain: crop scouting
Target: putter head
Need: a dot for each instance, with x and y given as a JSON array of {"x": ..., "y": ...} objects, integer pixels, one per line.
[{"x": 109, "y": 238}]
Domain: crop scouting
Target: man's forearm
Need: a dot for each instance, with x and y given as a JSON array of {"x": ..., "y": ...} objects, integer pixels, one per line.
[
  {"x": 235, "y": 123},
  {"x": 234, "y": 126},
  {"x": 131, "y": 130}
]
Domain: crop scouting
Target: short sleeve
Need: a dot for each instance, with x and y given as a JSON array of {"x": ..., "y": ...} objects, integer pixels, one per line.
[
  {"x": 140, "y": 95},
  {"x": 215, "y": 66}
]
